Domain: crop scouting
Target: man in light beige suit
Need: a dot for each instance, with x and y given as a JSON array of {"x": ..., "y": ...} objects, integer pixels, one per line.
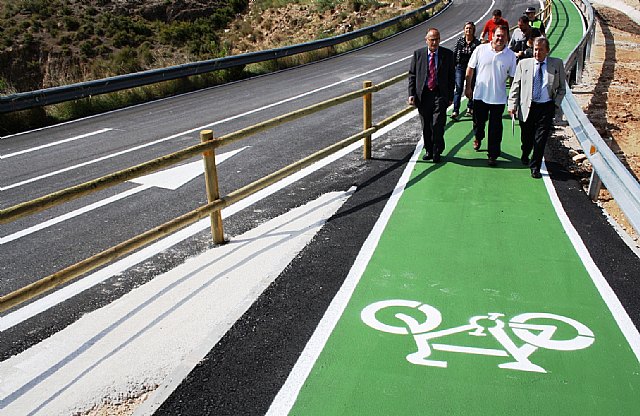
[{"x": 537, "y": 90}]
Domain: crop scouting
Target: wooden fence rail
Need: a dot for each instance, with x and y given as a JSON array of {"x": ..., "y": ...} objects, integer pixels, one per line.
[{"x": 215, "y": 203}]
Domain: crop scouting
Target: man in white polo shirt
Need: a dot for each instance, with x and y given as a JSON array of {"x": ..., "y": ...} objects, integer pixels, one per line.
[{"x": 493, "y": 63}]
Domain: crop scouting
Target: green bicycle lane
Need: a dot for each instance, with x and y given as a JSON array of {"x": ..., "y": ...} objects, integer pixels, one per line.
[{"x": 475, "y": 301}]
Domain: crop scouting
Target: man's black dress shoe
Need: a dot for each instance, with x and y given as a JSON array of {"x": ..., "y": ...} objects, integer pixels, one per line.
[
  {"x": 436, "y": 158},
  {"x": 427, "y": 156},
  {"x": 492, "y": 162},
  {"x": 535, "y": 174},
  {"x": 525, "y": 160}
]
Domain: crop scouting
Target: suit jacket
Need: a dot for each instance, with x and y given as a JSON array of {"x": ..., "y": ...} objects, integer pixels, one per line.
[
  {"x": 445, "y": 73},
  {"x": 520, "y": 96}
]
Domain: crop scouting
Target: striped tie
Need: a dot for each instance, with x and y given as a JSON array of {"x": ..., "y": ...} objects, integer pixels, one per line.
[
  {"x": 537, "y": 83},
  {"x": 431, "y": 81}
]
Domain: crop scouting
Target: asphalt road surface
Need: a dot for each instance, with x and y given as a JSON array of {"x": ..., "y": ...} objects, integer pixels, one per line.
[{"x": 248, "y": 366}]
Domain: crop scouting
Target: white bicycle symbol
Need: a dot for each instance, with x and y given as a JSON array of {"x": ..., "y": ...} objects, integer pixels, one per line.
[{"x": 534, "y": 335}]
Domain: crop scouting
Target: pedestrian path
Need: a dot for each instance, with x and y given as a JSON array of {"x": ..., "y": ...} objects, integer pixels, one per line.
[{"x": 476, "y": 301}]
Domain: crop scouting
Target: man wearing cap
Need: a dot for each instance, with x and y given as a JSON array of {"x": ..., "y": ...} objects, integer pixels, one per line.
[{"x": 534, "y": 22}]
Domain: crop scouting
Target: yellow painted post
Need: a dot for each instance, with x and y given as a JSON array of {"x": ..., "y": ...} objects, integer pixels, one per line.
[
  {"x": 366, "y": 116},
  {"x": 213, "y": 192}
]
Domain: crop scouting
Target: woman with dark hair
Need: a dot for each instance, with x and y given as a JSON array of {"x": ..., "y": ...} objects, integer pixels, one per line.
[{"x": 465, "y": 46}]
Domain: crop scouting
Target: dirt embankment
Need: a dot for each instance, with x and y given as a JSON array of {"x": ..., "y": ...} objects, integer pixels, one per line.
[{"x": 609, "y": 93}]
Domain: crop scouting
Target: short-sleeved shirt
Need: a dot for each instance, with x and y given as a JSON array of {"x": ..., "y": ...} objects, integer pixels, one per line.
[
  {"x": 491, "y": 25},
  {"x": 492, "y": 70}
]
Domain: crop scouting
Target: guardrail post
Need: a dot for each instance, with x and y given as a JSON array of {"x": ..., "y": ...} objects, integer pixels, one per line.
[
  {"x": 367, "y": 117},
  {"x": 579, "y": 66},
  {"x": 213, "y": 192},
  {"x": 588, "y": 45},
  {"x": 595, "y": 183}
]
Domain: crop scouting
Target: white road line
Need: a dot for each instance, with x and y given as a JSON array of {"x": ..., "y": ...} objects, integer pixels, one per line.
[
  {"x": 53, "y": 221},
  {"x": 49, "y": 301},
  {"x": 207, "y": 126},
  {"x": 139, "y": 340},
  {"x": 71, "y": 139},
  {"x": 287, "y": 395},
  {"x": 620, "y": 315}
]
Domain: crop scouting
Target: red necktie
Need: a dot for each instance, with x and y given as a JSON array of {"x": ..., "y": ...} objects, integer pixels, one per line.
[{"x": 431, "y": 81}]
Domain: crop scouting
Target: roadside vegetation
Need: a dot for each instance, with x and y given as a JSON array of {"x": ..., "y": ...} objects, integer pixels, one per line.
[{"x": 46, "y": 43}]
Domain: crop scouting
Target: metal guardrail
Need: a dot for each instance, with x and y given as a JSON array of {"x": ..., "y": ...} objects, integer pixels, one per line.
[
  {"x": 607, "y": 168},
  {"x": 39, "y": 98}
]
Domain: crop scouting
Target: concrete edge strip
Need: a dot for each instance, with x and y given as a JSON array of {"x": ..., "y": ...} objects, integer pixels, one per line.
[
  {"x": 620, "y": 315},
  {"x": 190, "y": 361}
]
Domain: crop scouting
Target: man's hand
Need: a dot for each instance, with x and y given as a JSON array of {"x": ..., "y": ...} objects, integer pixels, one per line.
[
  {"x": 468, "y": 77},
  {"x": 513, "y": 113},
  {"x": 412, "y": 100},
  {"x": 468, "y": 92}
]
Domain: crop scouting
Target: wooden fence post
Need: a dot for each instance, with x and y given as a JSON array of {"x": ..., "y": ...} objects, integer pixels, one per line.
[
  {"x": 366, "y": 117},
  {"x": 213, "y": 192}
]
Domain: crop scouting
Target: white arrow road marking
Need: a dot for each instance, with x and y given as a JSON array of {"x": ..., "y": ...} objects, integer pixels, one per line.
[
  {"x": 44, "y": 146},
  {"x": 168, "y": 179},
  {"x": 133, "y": 344},
  {"x": 53, "y": 299}
]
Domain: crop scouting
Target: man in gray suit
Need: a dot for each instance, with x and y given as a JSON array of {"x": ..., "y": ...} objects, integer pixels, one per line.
[{"x": 537, "y": 91}]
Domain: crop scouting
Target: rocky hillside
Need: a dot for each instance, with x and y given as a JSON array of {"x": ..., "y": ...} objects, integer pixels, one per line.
[
  {"x": 46, "y": 43},
  {"x": 51, "y": 42}
]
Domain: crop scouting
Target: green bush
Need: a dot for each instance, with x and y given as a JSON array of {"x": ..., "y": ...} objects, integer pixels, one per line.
[
  {"x": 71, "y": 23},
  {"x": 145, "y": 54},
  {"x": 6, "y": 41},
  {"x": 103, "y": 50},
  {"x": 87, "y": 49},
  {"x": 65, "y": 40},
  {"x": 91, "y": 11},
  {"x": 28, "y": 39},
  {"x": 126, "y": 61},
  {"x": 324, "y": 5},
  {"x": 36, "y": 24},
  {"x": 44, "y": 8}
]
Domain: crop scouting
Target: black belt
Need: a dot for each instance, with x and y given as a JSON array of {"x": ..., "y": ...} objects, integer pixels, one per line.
[{"x": 533, "y": 103}]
